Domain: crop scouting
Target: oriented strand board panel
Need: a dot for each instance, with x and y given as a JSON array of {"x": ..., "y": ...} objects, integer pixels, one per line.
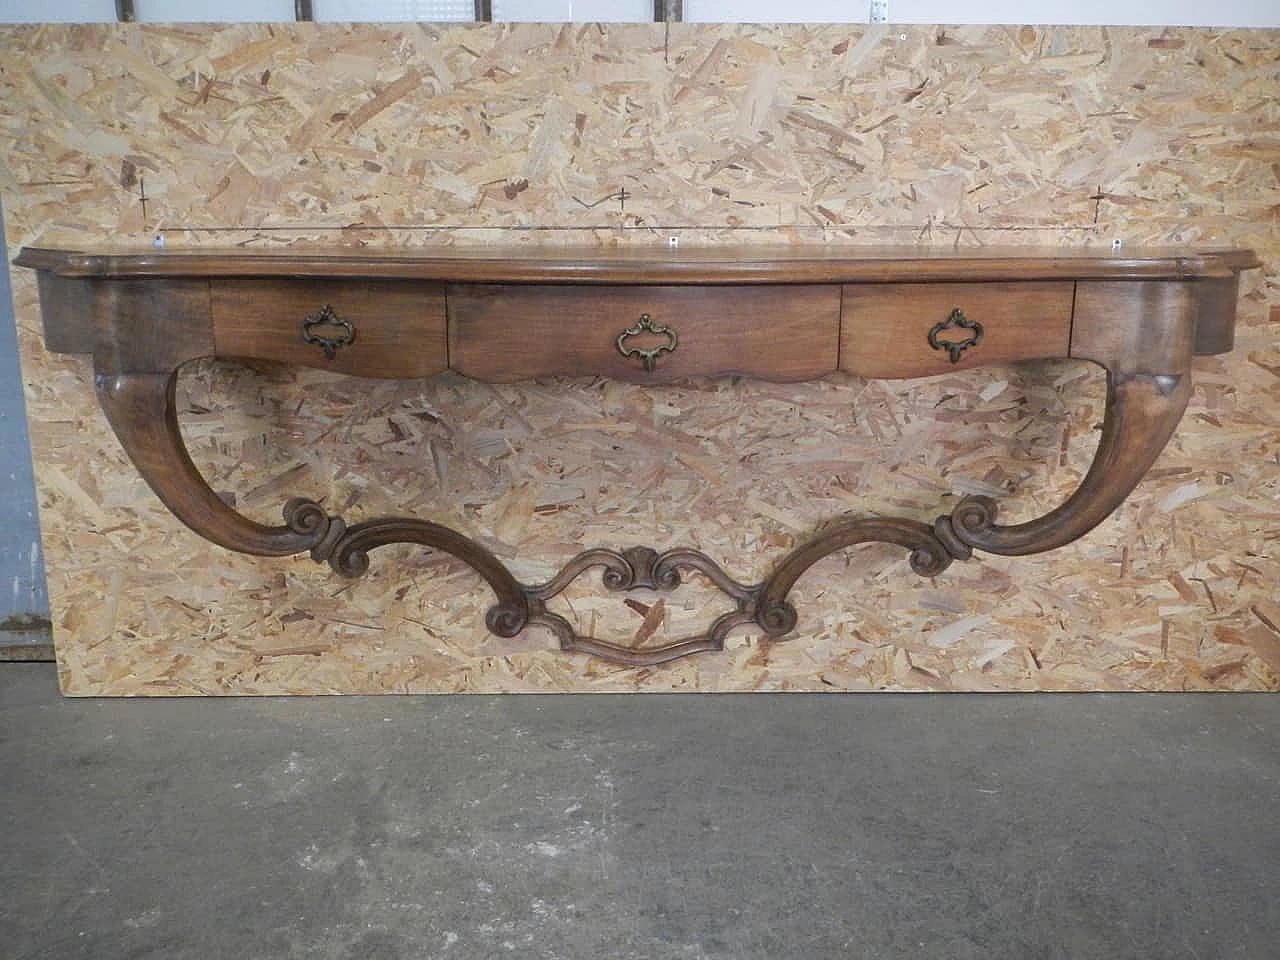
[{"x": 417, "y": 134}]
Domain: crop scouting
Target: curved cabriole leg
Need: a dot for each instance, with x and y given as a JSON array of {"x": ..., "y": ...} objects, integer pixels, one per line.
[
  {"x": 1142, "y": 412},
  {"x": 141, "y": 410}
]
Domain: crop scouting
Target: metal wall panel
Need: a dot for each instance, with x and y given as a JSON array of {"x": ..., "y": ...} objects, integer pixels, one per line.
[{"x": 24, "y": 603}]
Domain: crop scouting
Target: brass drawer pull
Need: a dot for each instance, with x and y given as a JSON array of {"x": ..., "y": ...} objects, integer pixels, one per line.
[
  {"x": 954, "y": 348},
  {"x": 334, "y": 332},
  {"x": 648, "y": 355}
]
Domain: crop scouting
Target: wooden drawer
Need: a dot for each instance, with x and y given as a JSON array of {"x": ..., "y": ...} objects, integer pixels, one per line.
[
  {"x": 885, "y": 327},
  {"x": 397, "y": 326},
  {"x": 514, "y": 331}
]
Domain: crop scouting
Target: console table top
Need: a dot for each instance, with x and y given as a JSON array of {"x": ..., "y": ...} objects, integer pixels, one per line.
[{"x": 711, "y": 264}]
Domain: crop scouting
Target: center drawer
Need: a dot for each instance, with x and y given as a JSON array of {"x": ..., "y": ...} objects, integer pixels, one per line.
[{"x": 646, "y": 334}]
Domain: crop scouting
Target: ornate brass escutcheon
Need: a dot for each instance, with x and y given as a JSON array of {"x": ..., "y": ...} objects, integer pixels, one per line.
[
  {"x": 648, "y": 355},
  {"x": 954, "y": 348},
  {"x": 328, "y": 331}
]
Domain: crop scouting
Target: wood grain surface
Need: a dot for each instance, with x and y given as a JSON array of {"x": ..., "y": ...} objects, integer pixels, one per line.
[
  {"x": 514, "y": 332},
  {"x": 399, "y": 325},
  {"x": 884, "y": 328}
]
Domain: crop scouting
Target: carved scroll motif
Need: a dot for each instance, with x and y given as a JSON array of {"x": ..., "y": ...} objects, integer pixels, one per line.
[
  {"x": 519, "y": 606},
  {"x": 1142, "y": 412}
]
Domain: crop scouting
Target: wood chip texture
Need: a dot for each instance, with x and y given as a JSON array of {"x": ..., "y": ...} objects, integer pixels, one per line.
[{"x": 417, "y": 135}]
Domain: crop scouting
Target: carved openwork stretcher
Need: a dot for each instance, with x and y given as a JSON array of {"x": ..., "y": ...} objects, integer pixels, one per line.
[{"x": 791, "y": 313}]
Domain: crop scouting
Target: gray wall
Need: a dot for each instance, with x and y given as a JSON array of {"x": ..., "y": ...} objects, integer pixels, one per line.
[{"x": 24, "y": 602}]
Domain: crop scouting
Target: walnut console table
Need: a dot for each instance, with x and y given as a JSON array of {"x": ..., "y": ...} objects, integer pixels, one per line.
[{"x": 503, "y": 314}]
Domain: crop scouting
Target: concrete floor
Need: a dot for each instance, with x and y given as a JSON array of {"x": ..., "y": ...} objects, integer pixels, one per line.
[{"x": 638, "y": 827}]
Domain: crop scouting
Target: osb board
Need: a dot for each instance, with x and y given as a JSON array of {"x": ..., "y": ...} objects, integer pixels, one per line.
[{"x": 430, "y": 135}]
